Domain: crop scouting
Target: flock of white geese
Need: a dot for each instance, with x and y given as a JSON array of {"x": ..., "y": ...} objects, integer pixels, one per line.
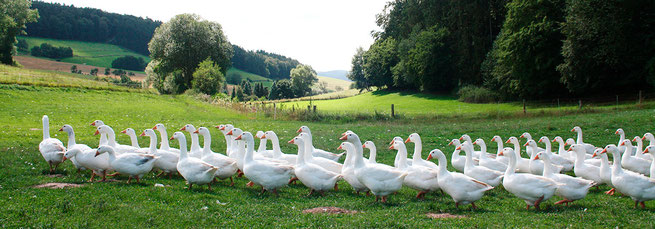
[{"x": 534, "y": 179}]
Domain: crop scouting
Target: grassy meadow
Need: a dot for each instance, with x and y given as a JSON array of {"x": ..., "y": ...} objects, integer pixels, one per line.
[
  {"x": 117, "y": 204},
  {"x": 89, "y": 53}
]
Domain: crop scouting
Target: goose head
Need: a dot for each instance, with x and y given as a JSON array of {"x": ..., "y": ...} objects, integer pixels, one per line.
[
  {"x": 637, "y": 139},
  {"x": 270, "y": 135},
  {"x": 397, "y": 145},
  {"x": 71, "y": 153},
  {"x": 97, "y": 123},
  {"x": 544, "y": 139},
  {"x": 526, "y": 135},
  {"x": 303, "y": 129},
  {"x": 66, "y": 128},
  {"x": 347, "y": 132},
  {"x": 479, "y": 141},
  {"x": 189, "y": 128},
  {"x": 648, "y": 136},
  {"x": 597, "y": 152},
  {"x": 104, "y": 129},
  {"x": 619, "y": 131},
  {"x": 569, "y": 141},
  {"x": 497, "y": 139},
  {"x": 159, "y": 127},
  {"x": 611, "y": 148},
  {"x": 577, "y": 148},
  {"x": 148, "y": 132},
  {"x": 649, "y": 149},
  {"x": 224, "y": 128},
  {"x": 298, "y": 141},
  {"x": 369, "y": 145},
  {"x": 559, "y": 140},
  {"x": 513, "y": 140},
  {"x": 626, "y": 142},
  {"x": 435, "y": 153},
  {"x": 413, "y": 138},
  {"x": 245, "y": 136},
  {"x": 129, "y": 132},
  {"x": 260, "y": 134},
  {"x": 507, "y": 152},
  {"x": 202, "y": 131},
  {"x": 395, "y": 139},
  {"x": 541, "y": 156},
  {"x": 465, "y": 137},
  {"x": 104, "y": 149},
  {"x": 179, "y": 136},
  {"x": 347, "y": 146},
  {"x": 235, "y": 132},
  {"x": 352, "y": 138},
  {"x": 455, "y": 142},
  {"x": 576, "y": 129}
]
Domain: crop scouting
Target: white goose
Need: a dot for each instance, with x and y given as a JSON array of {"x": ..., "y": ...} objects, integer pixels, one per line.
[
  {"x": 327, "y": 164},
  {"x": 397, "y": 159},
  {"x": 537, "y": 166},
  {"x": 651, "y": 150},
  {"x": 481, "y": 173},
  {"x": 315, "y": 177},
  {"x": 420, "y": 178},
  {"x": 164, "y": 139},
  {"x": 240, "y": 152},
  {"x": 103, "y": 137},
  {"x": 348, "y": 172},
  {"x": 530, "y": 188},
  {"x": 528, "y": 137},
  {"x": 72, "y": 145},
  {"x": 132, "y": 134},
  {"x": 195, "y": 150},
  {"x": 589, "y": 148},
  {"x": 650, "y": 138},
  {"x": 318, "y": 152},
  {"x": 458, "y": 161},
  {"x": 194, "y": 170},
  {"x": 261, "y": 150},
  {"x": 639, "y": 187},
  {"x": 417, "y": 158},
  {"x": 269, "y": 175},
  {"x": 229, "y": 141},
  {"x": 564, "y": 162},
  {"x": 573, "y": 188},
  {"x": 522, "y": 164},
  {"x": 277, "y": 152},
  {"x": 111, "y": 140},
  {"x": 381, "y": 180},
  {"x": 499, "y": 141},
  {"x": 372, "y": 151},
  {"x": 467, "y": 138},
  {"x": 487, "y": 161},
  {"x": 633, "y": 163},
  {"x": 582, "y": 169},
  {"x": 621, "y": 134},
  {"x": 135, "y": 165},
  {"x": 227, "y": 166},
  {"x": 167, "y": 161},
  {"x": 98, "y": 165},
  {"x": 640, "y": 149},
  {"x": 463, "y": 189},
  {"x": 562, "y": 149},
  {"x": 605, "y": 170},
  {"x": 51, "y": 149}
]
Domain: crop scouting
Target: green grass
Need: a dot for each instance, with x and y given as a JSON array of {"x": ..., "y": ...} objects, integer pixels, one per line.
[
  {"x": 334, "y": 84},
  {"x": 116, "y": 204},
  {"x": 89, "y": 53},
  {"x": 253, "y": 77}
]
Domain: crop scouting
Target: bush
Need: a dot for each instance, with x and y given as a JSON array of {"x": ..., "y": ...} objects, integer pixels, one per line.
[
  {"x": 129, "y": 63},
  {"x": 475, "y": 94},
  {"x": 234, "y": 78},
  {"x": 49, "y": 51},
  {"x": 207, "y": 78},
  {"x": 22, "y": 45}
]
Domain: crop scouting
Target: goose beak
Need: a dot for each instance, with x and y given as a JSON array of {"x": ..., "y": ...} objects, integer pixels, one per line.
[
  {"x": 363, "y": 145},
  {"x": 263, "y": 137},
  {"x": 124, "y": 131},
  {"x": 143, "y": 134},
  {"x": 97, "y": 153},
  {"x": 96, "y": 133},
  {"x": 299, "y": 130},
  {"x": 594, "y": 155},
  {"x": 622, "y": 144},
  {"x": 459, "y": 147},
  {"x": 573, "y": 130},
  {"x": 642, "y": 138},
  {"x": 154, "y": 127},
  {"x": 540, "y": 141},
  {"x": 61, "y": 129},
  {"x": 64, "y": 159},
  {"x": 526, "y": 144},
  {"x": 292, "y": 141},
  {"x": 391, "y": 147},
  {"x": 343, "y": 138},
  {"x": 507, "y": 141},
  {"x": 229, "y": 133},
  {"x": 604, "y": 151},
  {"x": 429, "y": 157},
  {"x": 461, "y": 138},
  {"x": 183, "y": 128},
  {"x": 522, "y": 136},
  {"x": 501, "y": 153},
  {"x": 493, "y": 140},
  {"x": 645, "y": 151},
  {"x": 474, "y": 143},
  {"x": 536, "y": 157},
  {"x": 616, "y": 132},
  {"x": 553, "y": 140},
  {"x": 450, "y": 143},
  {"x": 570, "y": 148},
  {"x": 338, "y": 148},
  {"x": 171, "y": 138},
  {"x": 408, "y": 140},
  {"x": 195, "y": 132},
  {"x": 238, "y": 137}
]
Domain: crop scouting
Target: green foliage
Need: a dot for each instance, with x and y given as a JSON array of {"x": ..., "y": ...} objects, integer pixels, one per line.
[
  {"x": 74, "y": 69},
  {"x": 234, "y": 78},
  {"x": 94, "y": 72},
  {"x": 129, "y": 63},
  {"x": 269, "y": 65},
  {"x": 246, "y": 86},
  {"x": 107, "y": 71},
  {"x": 523, "y": 61},
  {"x": 475, "y": 94},
  {"x": 208, "y": 77},
  {"x": 357, "y": 73},
  {"x": 119, "y": 72},
  {"x": 14, "y": 14},
  {"x": 240, "y": 96},
  {"x": 281, "y": 89},
  {"x": 302, "y": 79},
  {"x": 378, "y": 61},
  {"x": 180, "y": 44},
  {"x": 22, "y": 45},
  {"x": 67, "y": 22},
  {"x": 260, "y": 91},
  {"x": 49, "y": 51},
  {"x": 608, "y": 45}
]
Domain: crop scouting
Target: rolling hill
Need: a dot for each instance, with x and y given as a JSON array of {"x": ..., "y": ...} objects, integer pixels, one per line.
[{"x": 337, "y": 74}]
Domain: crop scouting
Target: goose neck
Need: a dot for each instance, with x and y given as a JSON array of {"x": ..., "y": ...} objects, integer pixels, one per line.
[
  {"x": 579, "y": 140},
  {"x": 195, "y": 143},
  {"x": 402, "y": 154},
  {"x": 164, "y": 139},
  {"x": 71, "y": 139},
  {"x": 418, "y": 147},
  {"x": 300, "y": 160},
  {"x": 469, "y": 156},
  {"x": 135, "y": 142},
  {"x": 46, "y": 127},
  {"x": 277, "y": 152},
  {"x": 207, "y": 143},
  {"x": 249, "y": 151},
  {"x": 372, "y": 154},
  {"x": 183, "y": 149},
  {"x": 443, "y": 163},
  {"x": 153, "y": 143}
]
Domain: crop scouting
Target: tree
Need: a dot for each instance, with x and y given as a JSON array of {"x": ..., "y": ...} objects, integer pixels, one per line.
[
  {"x": 14, "y": 14},
  {"x": 260, "y": 91},
  {"x": 379, "y": 60},
  {"x": 94, "y": 72},
  {"x": 240, "y": 96},
  {"x": 129, "y": 63},
  {"x": 234, "y": 92},
  {"x": 74, "y": 69},
  {"x": 302, "y": 79},
  {"x": 608, "y": 45},
  {"x": 246, "y": 87},
  {"x": 208, "y": 77},
  {"x": 183, "y": 42},
  {"x": 525, "y": 55},
  {"x": 107, "y": 71},
  {"x": 357, "y": 73},
  {"x": 281, "y": 89}
]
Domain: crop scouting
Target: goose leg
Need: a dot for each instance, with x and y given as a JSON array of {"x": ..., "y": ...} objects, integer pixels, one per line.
[
  {"x": 420, "y": 195},
  {"x": 536, "y": 203},
  {"x": 209, "y": 186},
  {"x": 137, "y": 179},
  {"x": 643, "y": 205},
  {"x": 104, "y": 175},
  {"x": 368, "y": 193},
  {"x": 263, "y": 190},
  {"x": 160, "y": 173},
  {"x": 293, "y": 180},
  {"x": 51, "y": 170},
  {"x": 129, "y": 179},
  {"x": 250, "y": 184},
  {"x": 311, "y": 191},
  {"x": 384, "y": 199},
  {"x": 473, "y": 206},
  {"x": 231, "y": 181},
  {"x": 376, "y": 198},
  {"x": 239, "y": 173},
  {"x": 190, "y": 186},
  {"x": 93, "y": 174},
  {"x": 456, "y": 204},
  {"x": 336, "y": 186},
  {"x": 610, "y": 192},
  {"x": 636, "y": 202}
]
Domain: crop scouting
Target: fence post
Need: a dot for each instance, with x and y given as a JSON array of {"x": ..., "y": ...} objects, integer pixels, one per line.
[
  {"x": 314, "y": 108},
  {"x": 580, "y": 104},
  {"x": 293, "y": 108},
  {"x": 524, "y": 110},
  {"x": 274, "y": 112},
  {"x": 309, "y": 108},
  {"x": 393, "y": 114},
  {"x": 617, "y": 102},
  {"x": 558, "y": 103},
  {"x": 640, "y": 98}
]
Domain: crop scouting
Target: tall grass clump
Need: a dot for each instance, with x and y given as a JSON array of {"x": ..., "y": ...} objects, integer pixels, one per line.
[{"x": 475, "y": 94}]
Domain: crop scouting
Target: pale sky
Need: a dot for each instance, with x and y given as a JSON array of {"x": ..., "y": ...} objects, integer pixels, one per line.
[{"x": 323, "y": 34}]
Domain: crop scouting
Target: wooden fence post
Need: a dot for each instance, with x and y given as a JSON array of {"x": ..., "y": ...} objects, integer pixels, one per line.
[
  {"x": 393, "y": 114},
  {"x": 524, "y": 110},
  {"x": 640, "y": 97},
  {"x": 274, "y": 112},
  {"x": 314, "y": 108},
  {"x": 557, "y": 103},
  {"x": 580, "y": 104}
]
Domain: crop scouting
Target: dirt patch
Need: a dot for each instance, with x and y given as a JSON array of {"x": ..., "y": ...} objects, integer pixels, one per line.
[
  {"x": 329, "y": 210},
  {"x": 55, "y": 175},
  {"x": 36, "y": 63},
  {"x": 444, "y": 216},
  {"x": 58, "y": 185}
]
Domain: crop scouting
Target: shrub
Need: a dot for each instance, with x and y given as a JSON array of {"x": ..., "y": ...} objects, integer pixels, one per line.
[
  {"x": 22, "y": 45},
  {"x": 475, "y": 94},
  {"x": 129, "y": 63},
  {"x": 49, "y": 51},
  {"x": 207, "y": 78}
]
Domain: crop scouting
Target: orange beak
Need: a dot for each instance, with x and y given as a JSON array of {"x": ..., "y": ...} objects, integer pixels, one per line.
[
  {"x": 474, "y": 143},
  {"x": 195, "y": 132},
  {"x": 183, "y": 128},
  {"x": 339, "y": 147},
  {"x": 573, "y": 130},
  {"x": 93, "y": 123},
  {"x": 263, "y": 137},
  {"x": 501, "y": 153},
  {"x": 522, "y": 136},
  {"x": 526, "y": 144},
  {"x": 64, "y": 159},
  {"x": 124, "y": 131},
  {"x": 642, "y": 138},
  {"x": 459, "y": 147},
  {"x": 343, "y": 138},
  {"x": 97, "y": 153},
  {"x": 635, "y": 139},
  {"x": 461, "y": 138},
  {"x": 61, "y": 129},
  {"x": 622, "y": 144},
  {"x": 570, "y": 148},
  {"x": 299, "y": 130},
  {"x": 429, "y": 157},
  {"x": 154, "y": 128},
  {"x": 594, "y": 155},
  {"x": 450, "y": 143},
  {"x": 507, "y": 141},
  {"x": 493, "y": 139},
  {"x": 238, "y": 137},
  {"x": 616, "y": 132},
  {"x": 363, "y": 145},
  {"x": 408, "y": 140},
  {"x": 645, "y": 151},
  {"x": 171, "y": 138},
  {"x": 292, "y": 141},
  {"x": 604, "y": 151},
  {"x": 142, "y": 134},
  {"x": 229, "y": 133},
  {"x": 540, "y": 141},
  {"x": 536, "y": 157},
  {"x": 391, "y": 147},
  {"x": 96, "y": 133},
  {"x": 553, "y": 140}
]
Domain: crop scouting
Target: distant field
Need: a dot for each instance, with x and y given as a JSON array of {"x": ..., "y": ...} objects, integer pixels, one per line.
[
  {"x": 253, "y": 77},
  {"x": 334, "y": 84},
  {"x": 14, "y": 75},
  {"x": 89, "y": 53}
]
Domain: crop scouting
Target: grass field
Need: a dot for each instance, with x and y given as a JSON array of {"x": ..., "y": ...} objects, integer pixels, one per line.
[
  {"x": 116, "y": 204},
  {"x": 334, "y": 84},
  {"x": 89, "y": 53}
]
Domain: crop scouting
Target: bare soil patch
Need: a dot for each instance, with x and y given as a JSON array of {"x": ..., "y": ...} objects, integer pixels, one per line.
[
  {"x": 58, "y": 185},
  {"x": 329, "y": 210},
  {"x": 43, "y": 64},
  {"x": 54, "y": 175},
  {"x": 444, "y": 216}
]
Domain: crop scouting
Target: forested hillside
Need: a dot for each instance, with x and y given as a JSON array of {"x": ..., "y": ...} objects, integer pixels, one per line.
[{"x": 260, "y": 62}]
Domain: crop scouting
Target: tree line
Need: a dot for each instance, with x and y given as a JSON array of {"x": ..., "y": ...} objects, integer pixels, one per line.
[
  {"x": 260, "y": 62},
  {"x": 511, "y": 49}
]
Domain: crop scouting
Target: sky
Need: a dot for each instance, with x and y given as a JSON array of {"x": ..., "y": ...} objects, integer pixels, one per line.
[{"x": 323, "y": 34}]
